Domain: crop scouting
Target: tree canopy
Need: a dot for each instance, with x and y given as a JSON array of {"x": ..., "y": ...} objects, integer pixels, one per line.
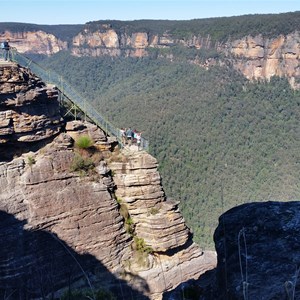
[{"x": 220, "y": 140}]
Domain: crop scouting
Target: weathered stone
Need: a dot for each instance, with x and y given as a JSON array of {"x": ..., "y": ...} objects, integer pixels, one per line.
[
  {"x": 78, "y": 128},
  {"x": 38, "y": 42},
  {"x": 258, "y": 252},
  {"x": 258, "y": 57},
  {"x": 103, "y": 169},
  {"x": 49, "y": 209},
  {"x": 255, "y": 56},
  {"x": 30, "y": 115},
  {"x": 158, "y": 222}
]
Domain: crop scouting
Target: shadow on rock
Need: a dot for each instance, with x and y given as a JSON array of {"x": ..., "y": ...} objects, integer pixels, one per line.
[
  {"x": 37, "y": 264},
  {"x": 200, "y": 289}
]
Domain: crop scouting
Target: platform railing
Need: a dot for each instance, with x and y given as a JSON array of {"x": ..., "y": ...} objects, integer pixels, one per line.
[{"x": 72, "y": 95}]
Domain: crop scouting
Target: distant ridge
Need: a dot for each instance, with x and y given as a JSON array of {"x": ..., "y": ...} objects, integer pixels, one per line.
[{"x": 219, "y": 28}]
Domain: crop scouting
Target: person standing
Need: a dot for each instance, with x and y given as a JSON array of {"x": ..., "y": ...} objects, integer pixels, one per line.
[
  {"x": 129, "y": 134},
  {"x": 123, "y": 136},
  {"x": 139, "y": 139},
  {"x": 6, "y": 48}
]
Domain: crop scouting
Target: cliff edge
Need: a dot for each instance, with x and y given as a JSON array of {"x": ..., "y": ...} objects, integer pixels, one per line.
[
  {"x": 255, "y": 56},
  {"x": 77, "y": 216}
]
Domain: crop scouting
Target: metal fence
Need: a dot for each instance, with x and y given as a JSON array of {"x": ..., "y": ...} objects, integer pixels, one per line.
[
  {"x": 70, "y": 93},
  {"x": 7, "y": 55}
]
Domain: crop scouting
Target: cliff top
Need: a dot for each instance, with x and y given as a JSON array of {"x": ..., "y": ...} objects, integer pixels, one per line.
[
  {"x": 103, "y": 205},
  {"x": 219, "y": 29}
]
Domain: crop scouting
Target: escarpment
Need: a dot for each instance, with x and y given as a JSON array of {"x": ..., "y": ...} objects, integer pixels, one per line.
[
  {"x": 256, "y": 56},
  {"x": 74, "y": 217},
  {"x": 38, "y": 41}
]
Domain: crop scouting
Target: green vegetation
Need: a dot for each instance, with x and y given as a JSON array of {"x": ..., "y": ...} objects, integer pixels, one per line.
[
  {"x": 219, "y": 29},
  {"x": 140, "y": 245},
  {"x": 84, "y": 142},
  {"x": 219, "y": 139},
  {"x": 129, "y": 224},
  {"x": 82, "y": 164},
  {"x": 140, "y": 252},
  {"x": 153, "y": 210},
  {"x": 87, "y": 294},
  {"x": 63, "y": 32},
  {"x": 31, "y": 160}
]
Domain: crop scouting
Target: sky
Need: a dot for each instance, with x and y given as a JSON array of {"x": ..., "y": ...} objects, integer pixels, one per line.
[{"x": 82, "y": 11}]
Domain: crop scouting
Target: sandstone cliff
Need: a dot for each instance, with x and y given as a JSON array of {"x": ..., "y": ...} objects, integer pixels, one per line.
[
  {"x": 38, "y": 42},
  {"x": 66, "y": 211},
  {"x": 257, "y": 57}
]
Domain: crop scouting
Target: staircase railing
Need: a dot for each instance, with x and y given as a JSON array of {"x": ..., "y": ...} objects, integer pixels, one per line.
[{"x": 72, "y": 95}]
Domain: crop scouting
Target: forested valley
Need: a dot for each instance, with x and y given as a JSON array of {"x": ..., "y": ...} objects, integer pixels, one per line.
[{"x": 220, "y": 140}]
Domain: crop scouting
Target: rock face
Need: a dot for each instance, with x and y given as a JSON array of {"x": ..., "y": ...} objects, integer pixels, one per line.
[
  {"x": 158, "y": 222},
  {"x": 258, "y": 252},
  {"x": 28, "y": 108},
  {"x": 38, "y": 42},
  {"x": 256, "y": 57},
  {"x": 61, "y": 223}
]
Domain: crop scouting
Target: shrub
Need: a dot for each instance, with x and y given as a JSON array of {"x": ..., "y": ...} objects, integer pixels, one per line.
[
  {"x": 141, "y": 252},
  {"x": 81, "y": 164},
  {"x": 139, "y": 245},
  {"x": 84, "y": 142},
  {"x": 100, "y": 294},
  {"x": 31, "y": 161},
  {"x": 123, "y": 211},
  {"x": 153, "y": 210},
  {"x": 129, "y": 224},
  {"x": 119, "y": 200}
]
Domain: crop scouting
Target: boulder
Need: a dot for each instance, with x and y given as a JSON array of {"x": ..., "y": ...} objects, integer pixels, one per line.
[{"x": 258, "y": 252}]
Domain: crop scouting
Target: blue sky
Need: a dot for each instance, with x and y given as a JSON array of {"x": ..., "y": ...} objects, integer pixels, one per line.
[{"x": 82, "y": 11}]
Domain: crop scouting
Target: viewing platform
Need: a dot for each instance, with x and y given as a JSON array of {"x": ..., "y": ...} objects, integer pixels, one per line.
[
  {"x": 78, "y": 105},
  {"x": 5, "y": 63}
]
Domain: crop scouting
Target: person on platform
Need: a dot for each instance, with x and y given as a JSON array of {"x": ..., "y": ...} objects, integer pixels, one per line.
[
  {"x": 6, "y": 47},
  {"x": 123, "y": 135},
  {"x": 129, "y": 134}
]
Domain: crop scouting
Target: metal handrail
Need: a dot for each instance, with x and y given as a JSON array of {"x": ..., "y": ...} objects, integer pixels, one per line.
[{"x": 69, "y": 92}]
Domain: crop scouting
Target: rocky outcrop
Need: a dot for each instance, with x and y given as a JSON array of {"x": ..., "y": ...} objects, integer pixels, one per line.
[
  {"x": 60, "y": 200},
  {"x": 259, "y": 57},
  {"x": 258, "y": 252},
  {"x": 38, "y": 42},
  {"x": 175, "y": 258},
  {"x": 29, "y": 111},
  {"x": 77, "y": 210},
  {"x": 256, "y": 57},
  {"x": 42, "y": 191},
  {"x": 107, "y": 41}
]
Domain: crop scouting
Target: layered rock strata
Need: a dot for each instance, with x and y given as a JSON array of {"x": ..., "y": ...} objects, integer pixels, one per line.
[
  {"x": 175, "y": 258},
  {"x": 28, "y": 108},
  {"x": 39, "y": 42},
  {"x": 61, "y": 223},
  {"x": 257, "y": 57}
]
